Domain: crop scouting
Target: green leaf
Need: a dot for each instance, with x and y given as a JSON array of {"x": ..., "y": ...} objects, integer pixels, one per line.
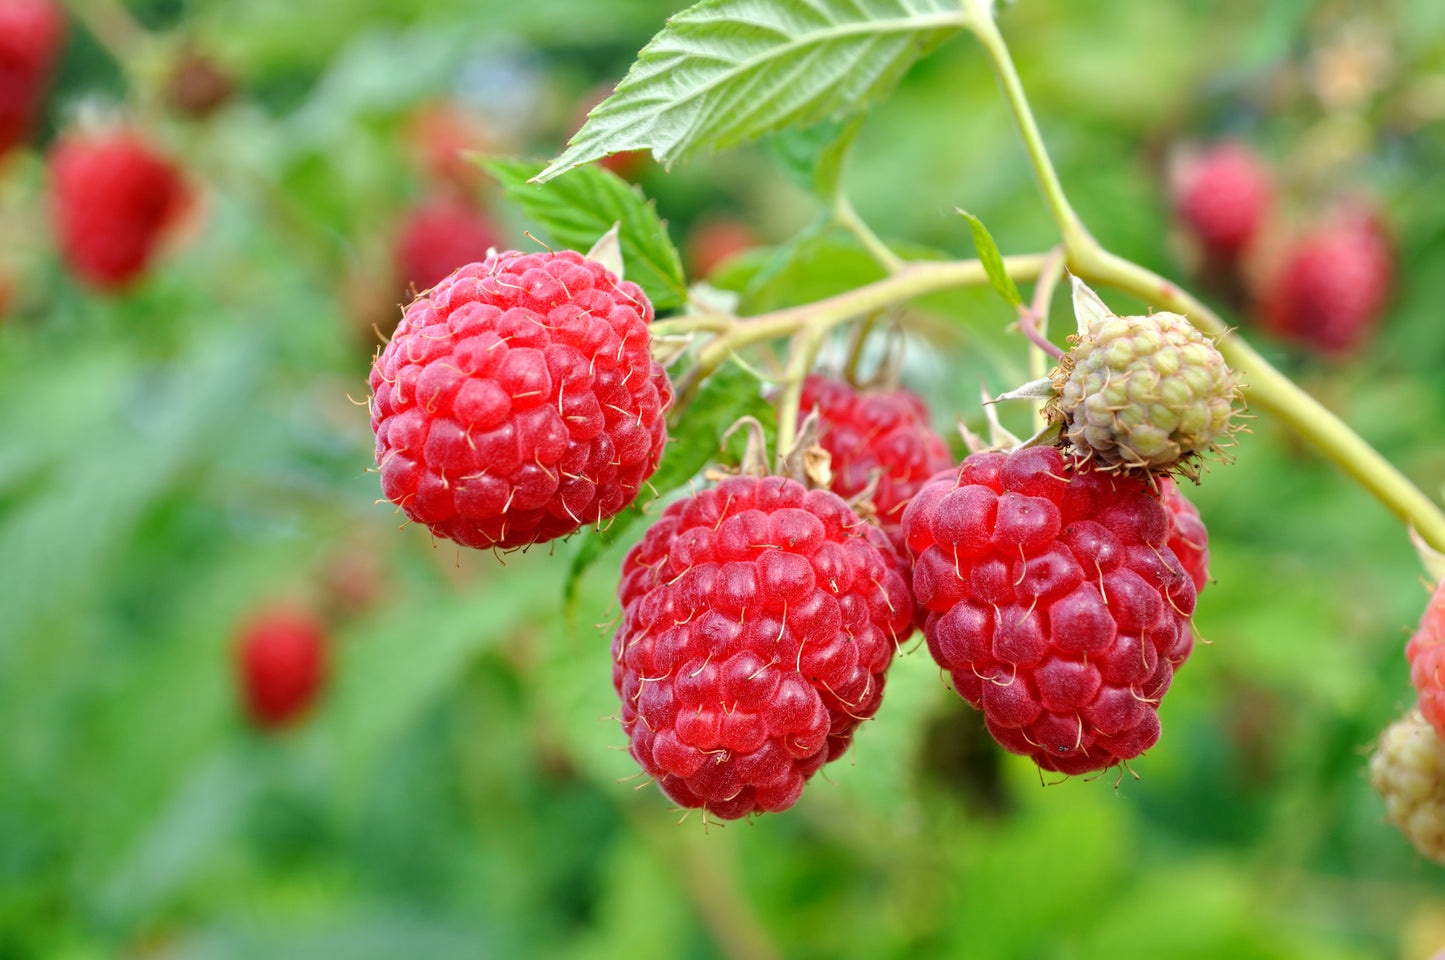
[
  {"x": 992, "y": 260},
  {"x": 727, "y": 395},
  {"x": 579, "y": 210},
  {"x": 813, "y": 156},
  {"x": 724, "y": 72}
]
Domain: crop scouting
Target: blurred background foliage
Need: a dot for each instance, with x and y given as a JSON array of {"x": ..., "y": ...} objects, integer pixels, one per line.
[{"x": 178, "y": 456}]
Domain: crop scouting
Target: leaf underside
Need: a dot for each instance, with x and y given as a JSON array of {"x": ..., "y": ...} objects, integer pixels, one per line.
[{"x": 724, "y": 72}]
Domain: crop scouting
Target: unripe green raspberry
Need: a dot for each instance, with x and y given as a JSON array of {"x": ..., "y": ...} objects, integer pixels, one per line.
[
  {"x": 1408, "y": 770},
  {"x": 1143, "y": 393}
]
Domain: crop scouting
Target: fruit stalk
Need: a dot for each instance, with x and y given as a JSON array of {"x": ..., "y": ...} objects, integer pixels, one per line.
[{"x": 915, "y": 279}]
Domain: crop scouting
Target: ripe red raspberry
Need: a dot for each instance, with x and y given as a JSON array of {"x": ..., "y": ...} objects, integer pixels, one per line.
[
  {"x": 1332, "y": 286},
  {"x": 518, "y": 400},
  {"x": 1055, "y": 603},
  {"x": 439, "y": 236},
  {"x": 1187, "y": 536},
  {"x": 887, "y": 432},
  {"x": 758, "y": 620},
  {"x": 112, "y": 198},
  {"x": 281, "y": 662},
  {"x": 440, "y": 134},
  {"x": 713, "y": 241},
  {"x": 1426, "y": 653},
  {"x": 31, "y": 32},
  {"x": 1224, "y": 196}
]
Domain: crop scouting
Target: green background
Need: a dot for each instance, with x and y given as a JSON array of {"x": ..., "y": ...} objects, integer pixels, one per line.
[{"x": 176, "y": 457}]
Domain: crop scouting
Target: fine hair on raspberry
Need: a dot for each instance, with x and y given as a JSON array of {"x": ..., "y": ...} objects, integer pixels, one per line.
[
  {"x": 1054, "y": 602},
  {"x": 518, "y": 400},
  {"x": 758, "y": 620}
]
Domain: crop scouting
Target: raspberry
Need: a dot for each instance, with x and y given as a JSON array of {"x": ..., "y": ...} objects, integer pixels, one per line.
[
  {"x": 1054, "y": 602},
  {"x": 440, "y": 134},
  {"x": 1426, "y": 653},
  {"x": 1143, "y": 393},
  {"x": 1187, "y": 536},
  {"x": 31, "y": 32},
  {"x": 281, "y": 663},
  {"x": 439, "y": 236},
  {"x": 758, "y": 620},
  {"x": 1408, "y": 770},
  {"x": 886, "y": 432},
  {"x": 518, "y": 400},
  {"x": 112, "y": 199},
  {"x": 1333, "y": 285},
  {"x": 712, "y": 242},
  {"x": 1224, "y": 196}
]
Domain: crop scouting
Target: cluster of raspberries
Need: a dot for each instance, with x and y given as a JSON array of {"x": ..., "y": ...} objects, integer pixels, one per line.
[
  {"x": 1323, "y": 286},
  {"x": 518, "y": 401}
]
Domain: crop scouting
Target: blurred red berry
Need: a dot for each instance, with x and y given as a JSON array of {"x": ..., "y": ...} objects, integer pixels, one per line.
[
  {"x": 1426, "y": 654},
  {"x": 1332, "y": 286},
  {"x": 112, "y": 199},
  {"x": 282, "y": 663},
  {"x": 31, "y": 32},
  {"x": 439, "y": 236},
  {"x": 442, "y": 134},
  {"x": 1224, "y": 196},
  {"x": 712, "y": 242}
]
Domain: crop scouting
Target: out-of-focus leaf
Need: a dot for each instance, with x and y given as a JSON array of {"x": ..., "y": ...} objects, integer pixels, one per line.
[
  {"x": 578, "y": 210},
  {"x": 813, "y": 156},
  {"x": 723, "y": 72}
]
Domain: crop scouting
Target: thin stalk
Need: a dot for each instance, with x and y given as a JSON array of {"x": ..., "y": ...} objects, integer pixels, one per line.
[
  {"x": 982, "y": 24},
  {"x": 847, "y": 218},
  {"x": 1035, "y": 320},
  {"x": 801, "y": 354},
  {"x": 915, "y": 280}
]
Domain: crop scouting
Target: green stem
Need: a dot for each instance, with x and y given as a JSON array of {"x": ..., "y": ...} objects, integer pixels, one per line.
[
  {"x": 915, "y": 279},
  {"x": 1272, "y": 392},
  {"x": 802, "y": 353},
  {"x": 847, "y": 217},
  {"x": 1038, "y": 317},
  {"x": 982, "y": 24}
]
